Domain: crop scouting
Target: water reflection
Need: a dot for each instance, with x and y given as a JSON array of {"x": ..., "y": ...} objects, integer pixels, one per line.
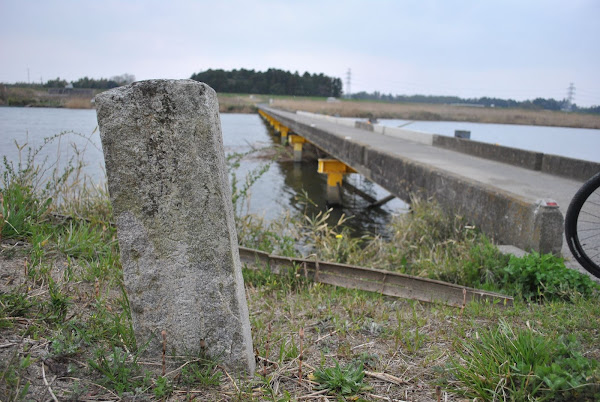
[{"x": 302, "y": 178}]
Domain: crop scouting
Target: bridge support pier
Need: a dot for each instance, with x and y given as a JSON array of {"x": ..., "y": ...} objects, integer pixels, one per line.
[
  {"x": 277, "y": 126},
  {"x": 283, "y": 130},
  {"x": 297, "y": 142},
  {"x": 270, "y": 120},
  {"x": 335, "y": 171}
]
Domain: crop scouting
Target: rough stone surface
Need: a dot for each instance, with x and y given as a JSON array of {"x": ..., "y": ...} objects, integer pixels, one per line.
[{"x": 172, "y": 202}]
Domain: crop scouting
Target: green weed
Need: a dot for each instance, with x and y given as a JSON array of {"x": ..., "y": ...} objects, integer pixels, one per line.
[
  {"x": 409, "y": 334},
  {"x": 544, "y": 277},
  {"x": 344, "y": 381},
  {"x": 59, "y": 303},
  {"x": 288, "y": 350},
  {"x": 112, "y": 325},
  {"x": 480, "y": 267},
  {"x": 330, "y": 242},
  {"x": 289, "y": 280},
  {"x": 86, "y": 241},
  {"x": 523, "y": 365},
  {"x": 14, "y": 385},
  {"x": 162, "y": 388},
  {"x": 274, "y": 237},
  {"x": 120, "y": 371},
  {"x": 201, "y": 372},
  {"x": 15, "y": 304},
  {"x": 21, "y": 208}
]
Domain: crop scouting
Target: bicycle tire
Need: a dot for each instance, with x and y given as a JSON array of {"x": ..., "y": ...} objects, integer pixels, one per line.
[{"x": 582, "y": 225}]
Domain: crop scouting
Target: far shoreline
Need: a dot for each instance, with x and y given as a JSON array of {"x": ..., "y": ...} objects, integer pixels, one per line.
[{"x": 246, "y": 103}]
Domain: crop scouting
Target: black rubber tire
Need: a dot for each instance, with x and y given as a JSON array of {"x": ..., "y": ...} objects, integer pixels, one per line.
[{"x": 582, "y": 228}]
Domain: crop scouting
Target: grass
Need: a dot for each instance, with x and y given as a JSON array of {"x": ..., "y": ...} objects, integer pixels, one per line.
[
  {"x": 524, "y": 365},
  {"x": 431, "y": 112},
  {"x": 65, "y": 317}
]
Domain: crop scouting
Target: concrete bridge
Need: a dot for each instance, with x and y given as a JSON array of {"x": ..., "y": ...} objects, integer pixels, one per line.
[{"x": 516, "y": 197}]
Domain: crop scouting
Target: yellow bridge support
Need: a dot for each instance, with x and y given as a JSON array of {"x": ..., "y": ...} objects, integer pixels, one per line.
[
  {"x": 335, "y": 171},
  {"x": 333, "y": 168},
  {"x": 283, "y": 130},
  {"x": 277, "y": 126},
  {"x": 297, "y": 142}
]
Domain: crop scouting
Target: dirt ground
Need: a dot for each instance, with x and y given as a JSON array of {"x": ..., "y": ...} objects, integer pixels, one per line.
[{"x": 338, "y": 326}]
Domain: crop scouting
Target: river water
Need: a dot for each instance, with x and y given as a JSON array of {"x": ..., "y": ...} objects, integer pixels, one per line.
[
  {"x": 278, "y": 190},
  {"x": 578, "y": 143},
  {"x": 282, "y": 186}
]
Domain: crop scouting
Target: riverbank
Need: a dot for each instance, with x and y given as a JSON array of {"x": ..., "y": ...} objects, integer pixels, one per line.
[
  {"x": 40, "y": 97},
  {"x": 245, "y": 103},
  {"x": 432, "y": 112},
  {"x": 65, "y": 326}
]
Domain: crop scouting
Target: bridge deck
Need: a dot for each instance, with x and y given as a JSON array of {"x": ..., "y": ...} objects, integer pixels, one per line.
[{"x": 510, "y": 193}]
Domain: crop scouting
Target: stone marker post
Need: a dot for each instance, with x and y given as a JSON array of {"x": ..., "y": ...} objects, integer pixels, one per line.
[{"x": 171, "y": 198}]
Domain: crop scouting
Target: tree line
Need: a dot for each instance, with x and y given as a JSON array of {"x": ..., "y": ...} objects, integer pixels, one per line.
[
  {"x": 91, "y": 83},
  {"x": 271, "y": 82},
  {"x": 537, "y": 104},
  {"x": 280, "y": 82}
]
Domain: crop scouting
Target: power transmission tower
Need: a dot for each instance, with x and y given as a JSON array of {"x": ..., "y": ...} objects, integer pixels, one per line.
[
  {"x": 570, "y": 97},
  {"x": 348, "y": 82}
]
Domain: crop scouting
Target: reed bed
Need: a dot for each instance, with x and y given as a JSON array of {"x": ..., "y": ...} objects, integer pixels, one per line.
[
  {"x": 430, "y": 112},
  {"x": 78, "y": 103}
]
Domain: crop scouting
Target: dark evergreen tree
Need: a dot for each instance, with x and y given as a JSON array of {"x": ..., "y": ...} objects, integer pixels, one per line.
[
  {"x": 272, "y": 81},
  {"x": 57, "y": 83}
]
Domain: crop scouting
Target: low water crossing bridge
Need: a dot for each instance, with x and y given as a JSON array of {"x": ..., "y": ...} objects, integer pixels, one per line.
[{"x": 516, "y": 197}]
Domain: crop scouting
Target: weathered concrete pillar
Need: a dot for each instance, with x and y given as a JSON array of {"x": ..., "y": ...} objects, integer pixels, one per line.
[
  {"x": 172, "y": 202},
  {"x": 334, "y": 192}
]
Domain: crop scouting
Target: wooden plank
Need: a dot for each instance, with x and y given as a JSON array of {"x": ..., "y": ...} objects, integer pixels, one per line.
[{"x": 374, "y": 280}]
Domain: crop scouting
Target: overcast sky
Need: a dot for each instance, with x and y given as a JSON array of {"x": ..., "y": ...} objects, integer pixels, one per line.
[{"x": 519, "y": 49}]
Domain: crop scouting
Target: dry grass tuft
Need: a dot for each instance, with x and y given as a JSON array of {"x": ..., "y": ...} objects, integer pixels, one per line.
[{"x": 78, "y": 103}]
